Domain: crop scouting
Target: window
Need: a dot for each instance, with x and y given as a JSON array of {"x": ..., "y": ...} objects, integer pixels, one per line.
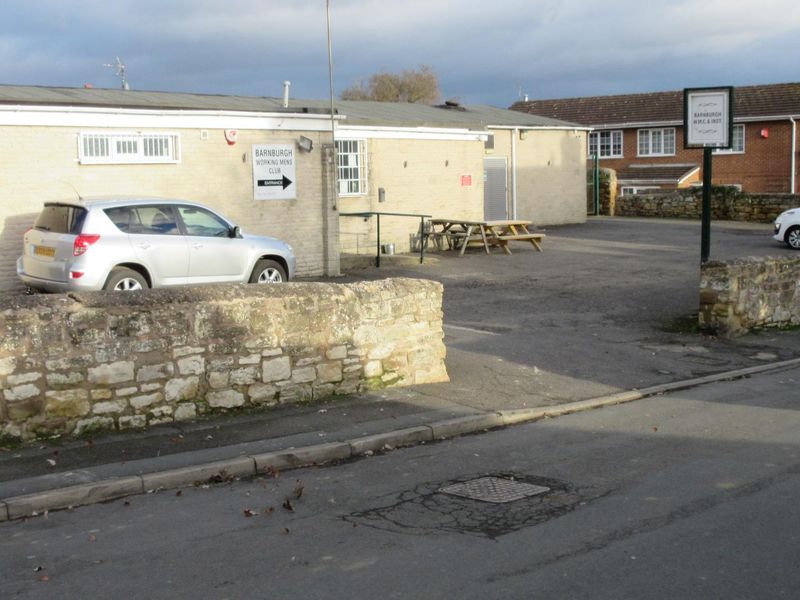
[
  {"x": 352, "y": 175},
  {"x": 606, "y": 144},
  {"x": 632, "y": 191},
  {"x": 737, "y": 144},
  {"x": 203, "y": 223},
  {"x": 657, "y": 142},
  {"x": 128, "y": 148}
]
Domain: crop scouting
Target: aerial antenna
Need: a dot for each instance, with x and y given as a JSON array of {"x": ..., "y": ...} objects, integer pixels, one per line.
[{"x": 120, "y": 70}]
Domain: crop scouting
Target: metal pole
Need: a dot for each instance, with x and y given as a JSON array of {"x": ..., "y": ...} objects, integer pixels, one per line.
[
  {"x": 705, "y": 234},
  {"x": 378, "y": 255},
  {"x": 422, "y": 239},
  {"x": 333, "y": 120}
]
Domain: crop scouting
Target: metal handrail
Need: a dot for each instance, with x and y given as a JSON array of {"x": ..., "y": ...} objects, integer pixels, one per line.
[{"x": 371, "y": 213}]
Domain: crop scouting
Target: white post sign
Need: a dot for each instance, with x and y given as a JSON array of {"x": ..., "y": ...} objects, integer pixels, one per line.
[
  {"x": 274, "y": 172},
  {"x": 708, "y": 117}
]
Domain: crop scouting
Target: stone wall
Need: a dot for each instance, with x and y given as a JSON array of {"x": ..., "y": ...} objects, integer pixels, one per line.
[
  {"x": 608, "y": 192},
  {"x": 726, "y": 204},
  {"x": 751, "y": 293},
  {"x": 77, "y": 363}
]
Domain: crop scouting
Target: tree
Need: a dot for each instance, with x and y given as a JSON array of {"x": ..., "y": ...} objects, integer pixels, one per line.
[{"x": 415, "y": 86}]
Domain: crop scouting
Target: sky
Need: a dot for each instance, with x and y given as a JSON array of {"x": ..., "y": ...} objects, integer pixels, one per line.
[{"x": 483, "y": 52}]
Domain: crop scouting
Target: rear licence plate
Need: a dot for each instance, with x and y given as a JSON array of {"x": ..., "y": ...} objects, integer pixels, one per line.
[{"x": 47, "y": 251}]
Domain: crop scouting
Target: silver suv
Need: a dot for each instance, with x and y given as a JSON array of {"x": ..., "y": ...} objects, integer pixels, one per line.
[{"x": 136, "y": 243}]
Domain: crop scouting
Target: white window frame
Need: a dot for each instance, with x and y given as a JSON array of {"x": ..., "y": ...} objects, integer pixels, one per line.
[
  {"x": 649, "y": 140},
  {"x": 126, "y": 148},
  {"x": 733, "y": 149},
  {"x": 615, "y": 139},
  {"x": 351, "y": 161},
  {"x": 632, "y": 190}
]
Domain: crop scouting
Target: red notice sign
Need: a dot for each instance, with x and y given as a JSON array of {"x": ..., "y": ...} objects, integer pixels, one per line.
[{"x": 466, "y": 180}]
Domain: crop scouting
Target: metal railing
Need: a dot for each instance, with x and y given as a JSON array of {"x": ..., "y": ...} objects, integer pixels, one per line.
[{"x": 378, "y": 214}]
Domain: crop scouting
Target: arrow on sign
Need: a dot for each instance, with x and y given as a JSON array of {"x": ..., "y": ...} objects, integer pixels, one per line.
[{"x": 284, "y": 181}]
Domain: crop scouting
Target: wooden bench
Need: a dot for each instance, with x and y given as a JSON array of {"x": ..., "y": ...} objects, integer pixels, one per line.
[{"x": 502, "y": 240}]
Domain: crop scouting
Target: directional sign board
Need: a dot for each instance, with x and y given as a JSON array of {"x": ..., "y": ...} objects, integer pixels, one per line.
[{"x": 274, "y": 172}]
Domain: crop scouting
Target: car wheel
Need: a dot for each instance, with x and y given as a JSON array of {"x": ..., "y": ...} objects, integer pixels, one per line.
[
  {"x": 268, "y": 271},
  {"x": 793, "y": 237},
  {"x": 125, "y": 280}
]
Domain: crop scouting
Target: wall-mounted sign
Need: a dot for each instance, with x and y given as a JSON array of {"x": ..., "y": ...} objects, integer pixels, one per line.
[
  {"x": 708, "y": 117},
  {"x": 274, "y": 172},
  {"x": 466, "y": 180}
]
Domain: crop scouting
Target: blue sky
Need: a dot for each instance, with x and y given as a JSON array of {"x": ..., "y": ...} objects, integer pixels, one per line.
[{"x": 483, "y": 52}]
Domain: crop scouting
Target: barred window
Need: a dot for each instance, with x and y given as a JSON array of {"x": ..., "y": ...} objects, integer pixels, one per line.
[
  {"x": 352, "y": 170},
  {"x": 128, "y": 148}
]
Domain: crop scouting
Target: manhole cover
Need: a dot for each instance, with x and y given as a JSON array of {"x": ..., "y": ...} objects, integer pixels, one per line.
[{"x": 494, "y": 489}]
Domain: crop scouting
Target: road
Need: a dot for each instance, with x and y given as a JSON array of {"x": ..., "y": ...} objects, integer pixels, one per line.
[{"x": 686, "y": 495}]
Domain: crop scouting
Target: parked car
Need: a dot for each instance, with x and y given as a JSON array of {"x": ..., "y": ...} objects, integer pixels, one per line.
[
  {"x": 787, "y": 228},
  {"x": 136, "y": 243}
]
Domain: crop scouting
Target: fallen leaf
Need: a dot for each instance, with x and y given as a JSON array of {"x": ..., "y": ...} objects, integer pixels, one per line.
[
  {"x": 269, "y": 511},
  {"x": 298, "y": 489},
  {"x": 127, "y": 503},
  {"x": 249, "y": 513},
  {"x": 288, "y": 505},
  {"x": 655, "y": 428},
  {"x": 44, "y": 578},
  {"x": 37, "y": 569},
  {"x": 51, "y": 462},
  {"x": 272, "y": 471},
  {"x": 89, "y": 443},
  {"x": 179, "y": 493},
  {"x": 286, "y": 530},
  {"x": 92, "y": 537}
]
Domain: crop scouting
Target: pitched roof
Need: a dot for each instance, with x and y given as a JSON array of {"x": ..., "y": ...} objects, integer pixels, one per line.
[
  {"x": 656, "y": 173},
  {"x": 356, "y": 112},
  {"x": 775, "y": 100}
]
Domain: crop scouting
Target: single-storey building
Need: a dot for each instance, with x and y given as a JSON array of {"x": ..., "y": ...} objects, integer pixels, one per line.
[{"x": 269, "y": 164}]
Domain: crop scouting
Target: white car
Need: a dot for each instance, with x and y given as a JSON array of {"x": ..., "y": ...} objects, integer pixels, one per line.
[
  {"x": 787, "y": 228},
  {"x": 137, "y": 243}
]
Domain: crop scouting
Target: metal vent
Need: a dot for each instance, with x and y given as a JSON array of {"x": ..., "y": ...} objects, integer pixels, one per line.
[{"x": 496, "y": 490}]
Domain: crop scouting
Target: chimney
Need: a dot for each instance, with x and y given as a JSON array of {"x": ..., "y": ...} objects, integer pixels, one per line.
[{"x": 286, "y": 85}]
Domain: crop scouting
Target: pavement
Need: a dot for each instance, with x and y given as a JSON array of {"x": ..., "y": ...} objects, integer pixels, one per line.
[{"x": 596, "y": 319}]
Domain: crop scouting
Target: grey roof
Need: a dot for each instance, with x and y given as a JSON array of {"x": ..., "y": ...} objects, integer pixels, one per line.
[{"x": 400, "y": 114}]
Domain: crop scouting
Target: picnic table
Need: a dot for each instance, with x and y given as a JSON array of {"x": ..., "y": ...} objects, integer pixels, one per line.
[{"x": 459, "y": 233}]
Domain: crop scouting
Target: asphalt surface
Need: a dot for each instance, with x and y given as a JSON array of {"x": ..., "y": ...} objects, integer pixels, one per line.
[
  {"x": 607, "y": 307},
  {"x": 690, "y": 494}
]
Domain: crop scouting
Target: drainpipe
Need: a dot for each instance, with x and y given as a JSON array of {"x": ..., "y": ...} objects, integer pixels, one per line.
[
  {"x": 792, "y": 181},
  {"x": 514, "y": 134}
]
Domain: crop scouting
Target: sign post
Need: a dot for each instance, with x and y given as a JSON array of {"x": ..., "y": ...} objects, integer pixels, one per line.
[{"x": 707, "y": 124}]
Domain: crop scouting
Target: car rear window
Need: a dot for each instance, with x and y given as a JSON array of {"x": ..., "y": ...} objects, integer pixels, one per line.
[{"x": 61, "y": 218}]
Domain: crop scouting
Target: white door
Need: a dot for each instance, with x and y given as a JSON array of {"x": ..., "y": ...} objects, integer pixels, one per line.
[{"x": 495, "y": 197}]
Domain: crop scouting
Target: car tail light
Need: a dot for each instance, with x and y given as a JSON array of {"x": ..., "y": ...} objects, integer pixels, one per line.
[
  {"x": 76, "y": 274},
  {"x": 82, "y": 243}
]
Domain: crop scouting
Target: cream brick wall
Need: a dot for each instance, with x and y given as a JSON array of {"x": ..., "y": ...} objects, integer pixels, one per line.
[
  {"x": 551, "y": 177},
  {"x": 419, "y": 176},
  {"x": 41, "y": 164}
]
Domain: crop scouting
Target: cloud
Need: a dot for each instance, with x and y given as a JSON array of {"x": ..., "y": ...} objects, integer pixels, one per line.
[{"x": 482, "y": 52}]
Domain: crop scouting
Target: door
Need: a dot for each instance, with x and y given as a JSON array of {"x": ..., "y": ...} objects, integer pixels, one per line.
[
  {"x": 214, "y": 256},
  {"x": 495, "y": 202},
  {"x": 158, "y": 243}
]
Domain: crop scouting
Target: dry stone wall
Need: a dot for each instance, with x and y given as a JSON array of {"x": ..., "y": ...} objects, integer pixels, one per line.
[
  {"x": 751, "y": 293},
  {"x": 726, "y": 204},
  {"x": 78, "y": 363}
]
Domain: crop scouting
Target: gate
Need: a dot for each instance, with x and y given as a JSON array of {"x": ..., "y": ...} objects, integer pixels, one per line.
[{"x": 593, "y": 185}]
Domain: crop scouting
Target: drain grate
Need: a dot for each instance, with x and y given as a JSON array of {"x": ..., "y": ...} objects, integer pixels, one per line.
[{"x": 496, "y": 490}]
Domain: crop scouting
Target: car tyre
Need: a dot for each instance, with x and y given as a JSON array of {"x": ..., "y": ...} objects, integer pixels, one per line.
[
  {"x": 793, "y": 237},
  {"x": 122, "y": 279},
  {"x": 268, "y": 271}
]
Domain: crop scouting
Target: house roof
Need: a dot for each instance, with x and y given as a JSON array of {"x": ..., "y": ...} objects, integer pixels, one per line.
[
  {"x": 750, "y": 102},
  {"x": 401, "y": 114},
  {"x": 655, "y": 173}
]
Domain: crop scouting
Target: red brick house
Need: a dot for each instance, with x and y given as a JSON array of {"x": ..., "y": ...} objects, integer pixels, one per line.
[{"x": 641, "y": 137}]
